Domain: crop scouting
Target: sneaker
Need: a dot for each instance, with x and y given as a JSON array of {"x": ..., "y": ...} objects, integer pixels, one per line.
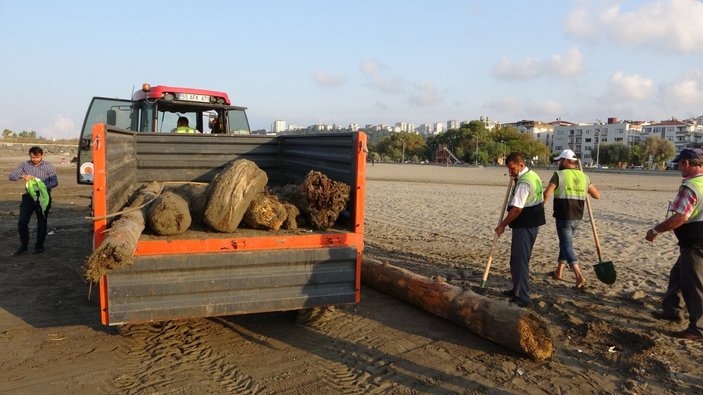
[
  {"x": 685, "y": 334},
  {"x": 661, "y": 316},
  {"x": 39, "y": 250},
  {"x": 19, "y": 251}
]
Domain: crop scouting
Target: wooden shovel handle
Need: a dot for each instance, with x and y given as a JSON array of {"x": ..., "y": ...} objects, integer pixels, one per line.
[
  {"x": 593, "y": 222},
  {"x": 495, "y": 236}
]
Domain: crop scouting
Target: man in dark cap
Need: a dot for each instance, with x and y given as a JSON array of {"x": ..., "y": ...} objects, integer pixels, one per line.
[{"x": 686, "y": 277}]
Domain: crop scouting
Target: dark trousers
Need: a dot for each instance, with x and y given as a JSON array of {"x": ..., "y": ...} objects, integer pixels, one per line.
[
  {"x": 523, "y": 240},
  {"x": 29, "y": 206},
  {"x": 686, "y": 285}
]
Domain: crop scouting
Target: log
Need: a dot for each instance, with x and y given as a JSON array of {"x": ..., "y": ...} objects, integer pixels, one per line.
[
  {"x": 196, "y": 196},
  {"x": 517, "y": 329},
  {"x": 169, "y": 214},
  {"x": 117, "y": 250},
  {"x": 265, "y": 212},
  {"x": 292, "y": 213},
  {"x": 231, "y": 192}
]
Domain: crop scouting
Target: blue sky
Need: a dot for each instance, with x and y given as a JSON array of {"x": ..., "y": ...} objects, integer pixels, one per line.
[{"x": 364, "y": 61}]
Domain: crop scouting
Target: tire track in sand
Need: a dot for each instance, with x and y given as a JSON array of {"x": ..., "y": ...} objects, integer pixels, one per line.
[{"x": 175, "y": 355}]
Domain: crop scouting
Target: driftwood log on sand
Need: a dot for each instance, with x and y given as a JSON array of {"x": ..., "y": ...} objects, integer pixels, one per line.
[
  {"x": 517, "y": 329},
  {"x": 231, "y": 192},
  {"x": 169, "y": 214},
  {"x": 117, "y": 250}
]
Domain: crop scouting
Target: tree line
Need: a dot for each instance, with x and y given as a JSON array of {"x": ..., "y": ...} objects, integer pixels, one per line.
[{"x": 472, "y": 143}]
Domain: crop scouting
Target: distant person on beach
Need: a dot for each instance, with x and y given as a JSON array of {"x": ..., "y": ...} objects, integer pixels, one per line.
[
  {"x": 686, "y": 277},
  {"x": 40, "y": 178},
  {"x": 525, "y": 216},
  {"x": 569, "y": 186}
]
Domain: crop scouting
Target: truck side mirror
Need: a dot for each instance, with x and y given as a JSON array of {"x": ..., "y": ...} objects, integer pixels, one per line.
[
  {"x": 111, "y": 117},
  {"x": 85, "y": 144}
]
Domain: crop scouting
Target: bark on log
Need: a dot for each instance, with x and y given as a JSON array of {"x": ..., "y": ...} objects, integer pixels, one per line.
[
  {"x": 117, "y": 250},
  {"x": 169, "y": 214},
  {"x": 196, "y": 196},
  {"x": 517, "y": 329},
  {"x": 231, "y": 192}
]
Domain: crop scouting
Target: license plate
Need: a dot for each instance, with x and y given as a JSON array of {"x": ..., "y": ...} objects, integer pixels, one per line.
[{"x": 192, "y": 97}]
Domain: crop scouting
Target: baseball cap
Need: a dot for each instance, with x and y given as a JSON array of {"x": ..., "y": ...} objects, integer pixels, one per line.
[
  {"x": 566, "y": 154},
  {"x": 689, "y": 153}
]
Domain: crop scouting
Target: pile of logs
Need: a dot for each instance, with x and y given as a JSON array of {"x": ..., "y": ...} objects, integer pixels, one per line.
[{"x": 237, "y": 195}]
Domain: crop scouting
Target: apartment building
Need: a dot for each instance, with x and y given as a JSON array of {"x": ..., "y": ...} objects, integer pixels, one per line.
[
  {"x": 584, "y": 138},
  {"x": 681, "y": 133},
  {"x": 539, "y": 130}
]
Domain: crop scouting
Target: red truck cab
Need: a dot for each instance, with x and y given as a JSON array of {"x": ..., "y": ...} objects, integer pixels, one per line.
[{"x": 156, "y": 109}]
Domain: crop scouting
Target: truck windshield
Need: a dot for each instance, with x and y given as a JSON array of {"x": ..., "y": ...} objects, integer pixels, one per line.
[
  {"x": 114, "y": 112},
  {"x": 238, "y": 123}
]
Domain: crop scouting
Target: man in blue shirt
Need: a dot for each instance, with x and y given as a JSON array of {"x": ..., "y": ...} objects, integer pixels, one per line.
[{"x": 40, "y": 178}]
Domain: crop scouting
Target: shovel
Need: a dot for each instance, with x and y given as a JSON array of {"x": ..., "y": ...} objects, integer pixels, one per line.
[
  {"x": 605, "y": 270},
  {"x": 482, "y": 290}
]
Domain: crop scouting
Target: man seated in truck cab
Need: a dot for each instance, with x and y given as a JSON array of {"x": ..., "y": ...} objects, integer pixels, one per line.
[
  {"x": 182, "y": 126},
  {"x": 216, "y": 126}
]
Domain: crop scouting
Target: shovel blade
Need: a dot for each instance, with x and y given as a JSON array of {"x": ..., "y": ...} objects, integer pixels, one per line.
[{"x": 605, "y": 271}]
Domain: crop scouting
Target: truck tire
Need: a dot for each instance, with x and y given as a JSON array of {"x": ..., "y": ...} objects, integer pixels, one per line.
[{"x": 316, "y": 316}]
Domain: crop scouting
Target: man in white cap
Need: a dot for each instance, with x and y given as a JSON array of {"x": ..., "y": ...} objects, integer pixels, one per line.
[{"x": 569, "y": 186}]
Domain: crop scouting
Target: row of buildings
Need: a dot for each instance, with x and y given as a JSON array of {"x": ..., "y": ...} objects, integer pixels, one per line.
[{"x": 582, "y": 138}]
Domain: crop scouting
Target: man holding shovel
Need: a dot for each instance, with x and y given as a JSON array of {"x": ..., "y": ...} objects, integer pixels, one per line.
[
  {"x": 686, "y": 277},
  {"x": 525, "y": 216},
  {"x": 569, "y": 185}
]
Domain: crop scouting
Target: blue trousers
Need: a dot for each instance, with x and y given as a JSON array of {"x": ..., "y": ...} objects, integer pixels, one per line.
[
  {"x": 566, "y": 229},
  {"x": 523, "y": 240}
]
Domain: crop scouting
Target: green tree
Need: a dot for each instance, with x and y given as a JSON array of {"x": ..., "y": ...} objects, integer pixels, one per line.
[
  {"x": 636, "y": 155},
  {"x": 8, "y": 133},
  {"x": 613, "y": 154},
  {"x": 660, "y": 150},
  {"x": 402, "y": 144}
]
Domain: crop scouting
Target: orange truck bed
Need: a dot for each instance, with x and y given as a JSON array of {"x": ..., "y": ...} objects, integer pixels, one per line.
[{"x": 217, "y": 274}]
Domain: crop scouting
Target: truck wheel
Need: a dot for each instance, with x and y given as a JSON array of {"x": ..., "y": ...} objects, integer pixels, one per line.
[{"x": 316, "y": 316}]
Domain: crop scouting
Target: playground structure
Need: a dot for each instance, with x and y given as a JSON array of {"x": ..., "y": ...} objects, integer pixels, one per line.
[{"x": 445, "y": 156}]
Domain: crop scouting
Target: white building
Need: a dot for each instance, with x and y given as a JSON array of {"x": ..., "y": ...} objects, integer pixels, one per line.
[
  {"x": 425, "y": 129},
  {"x": 681, "y": 134},
  {"x": 584, "y": 138},
  {"x": 278, "y": 126},
  {"x": 539, "y": 130},
  {"x": 452, "y": 124},
  {"x": 438, "y": 128},
  {"x": 489, "y": 124}
]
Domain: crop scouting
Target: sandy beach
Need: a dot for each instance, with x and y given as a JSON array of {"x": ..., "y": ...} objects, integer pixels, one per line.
[{"x": 436, "y": 221}]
